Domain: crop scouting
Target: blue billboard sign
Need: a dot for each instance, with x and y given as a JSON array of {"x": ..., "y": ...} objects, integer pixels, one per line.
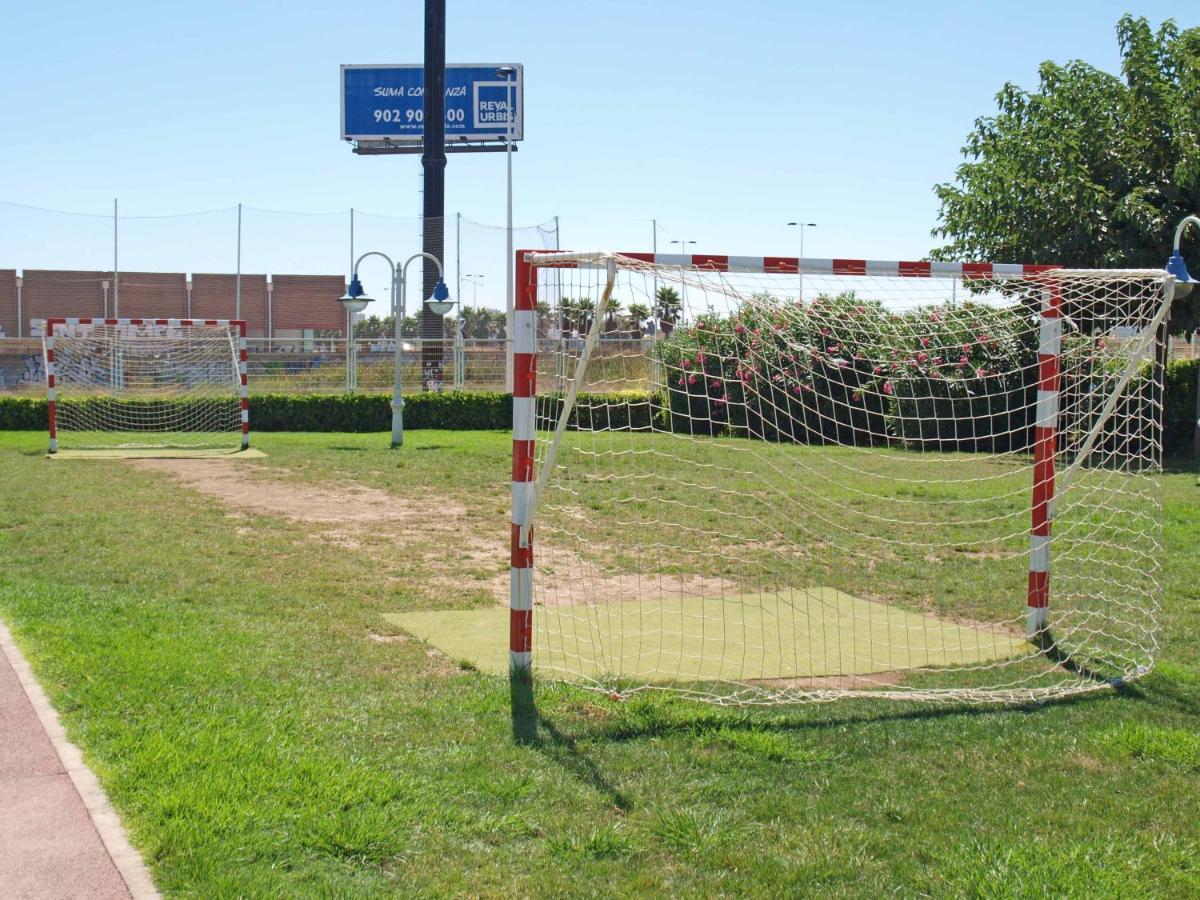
[{"x": 388, "y": 103}]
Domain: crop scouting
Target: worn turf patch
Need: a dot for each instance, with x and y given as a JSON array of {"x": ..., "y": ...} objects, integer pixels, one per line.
[
  {"x": 819, "y": 632},
  {"x": 157, "y": 453}
]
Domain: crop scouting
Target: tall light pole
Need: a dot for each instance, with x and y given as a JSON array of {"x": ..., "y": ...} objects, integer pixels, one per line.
[
  {"x": 683, "y": 245},
  {"x": 474, "y": 279},
  {"x": 799, "y": 268},
  {"x": 438, "y": 304},
  {"x": 508, "y": 73}
]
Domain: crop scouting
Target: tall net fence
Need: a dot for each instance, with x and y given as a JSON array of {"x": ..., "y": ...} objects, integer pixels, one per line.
[
  {"x": 934, "y": 483},
  {"x": 144, "y": 385}
]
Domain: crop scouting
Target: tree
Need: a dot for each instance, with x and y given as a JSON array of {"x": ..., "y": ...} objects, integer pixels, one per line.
[
  {"x": 612, "y": 309},
  {"x": 638, "y": 313},
  {"x": 667, "y": 306},
  {"x": 1089, "y": 170}
]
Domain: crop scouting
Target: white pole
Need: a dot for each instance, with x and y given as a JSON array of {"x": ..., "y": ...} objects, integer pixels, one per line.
[
  {"x": 238, "y": 300},
  {"x": 116, "y": 268},
  {"x": 508, "y": 313},
  {"x": 800, "y": 265}
]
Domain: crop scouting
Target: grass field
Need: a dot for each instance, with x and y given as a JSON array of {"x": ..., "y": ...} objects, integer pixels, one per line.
[{"x": 228, "y": 671}]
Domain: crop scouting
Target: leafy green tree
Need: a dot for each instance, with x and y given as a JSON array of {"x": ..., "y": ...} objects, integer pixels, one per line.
[
  {"x": 667, "y": 304},
  {"x": 1090, "y": 169}
]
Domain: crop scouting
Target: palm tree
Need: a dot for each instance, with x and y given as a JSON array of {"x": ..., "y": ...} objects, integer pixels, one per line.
[
  {"x": 667, "y": 307},
  {"x": 611, "y": 308},
  {"x": 586, "y": 308},
  {"x": 568, "y": 314},
  {"x": 638, "y": 313}
]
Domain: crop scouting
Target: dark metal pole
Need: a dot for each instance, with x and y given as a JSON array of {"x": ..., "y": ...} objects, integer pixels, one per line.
[{"x": 433, "y": 164}]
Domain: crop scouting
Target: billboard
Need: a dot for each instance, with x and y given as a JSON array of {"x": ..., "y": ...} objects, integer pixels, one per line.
[{"x": 388, "y": 102}]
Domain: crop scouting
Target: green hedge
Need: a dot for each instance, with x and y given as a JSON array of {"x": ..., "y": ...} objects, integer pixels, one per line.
[{"x": 493, "y": 411}]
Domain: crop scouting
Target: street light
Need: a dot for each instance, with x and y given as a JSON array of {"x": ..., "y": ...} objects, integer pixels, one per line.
[
  {"x": 474, "y": 279},
  {"x": 439, "y": 303},
  {"x": 508, "y": 73},
  {"x": 800, "y": 265},
  {"x": 683, "y": 245},
  {"x": 353, "y": 301}
]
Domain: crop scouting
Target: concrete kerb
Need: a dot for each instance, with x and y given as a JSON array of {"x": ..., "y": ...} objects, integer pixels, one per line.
[{"x": 126, "y": 859}]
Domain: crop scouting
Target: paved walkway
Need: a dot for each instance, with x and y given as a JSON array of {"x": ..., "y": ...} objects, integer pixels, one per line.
[{"x": 59, "y": 838}]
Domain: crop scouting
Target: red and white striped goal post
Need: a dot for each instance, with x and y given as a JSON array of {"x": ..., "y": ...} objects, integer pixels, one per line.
[
  {"x": 51, "y": 381},
  {"x": 525, "y": 394}
]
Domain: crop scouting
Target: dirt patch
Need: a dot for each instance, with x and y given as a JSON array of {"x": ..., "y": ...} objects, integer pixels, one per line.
[
  {"x": 433, "y": 528},
  {"x": 564, "y": 579},
  {"x": 258, "y": 492}
]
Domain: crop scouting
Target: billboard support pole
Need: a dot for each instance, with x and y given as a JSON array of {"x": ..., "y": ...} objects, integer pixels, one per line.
[{"x": 433, "y": 166}]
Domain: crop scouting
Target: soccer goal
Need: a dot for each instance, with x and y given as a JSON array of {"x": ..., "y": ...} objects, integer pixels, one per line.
[
  {"x": 147, "y": 385},
  {"x": 835, "y": 478}
]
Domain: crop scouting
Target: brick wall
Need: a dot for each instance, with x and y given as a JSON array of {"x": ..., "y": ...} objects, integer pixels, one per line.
[
  {"x": 53, "y": 293},
  {"x": 297, "y": 301},
  {"x": 215, "y": 297},
  {"x": 308, "y": 301},
  {"x": 152, "y": 295},
  {"x": 8, "y": 302}
]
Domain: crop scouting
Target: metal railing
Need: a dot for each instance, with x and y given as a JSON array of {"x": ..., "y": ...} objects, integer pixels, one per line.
[{"x": 302, "y": 366}]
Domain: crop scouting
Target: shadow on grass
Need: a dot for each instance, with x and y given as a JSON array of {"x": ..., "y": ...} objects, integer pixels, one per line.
[
  {"x": 341, "y": 449},
  {"x": 531, "y": 729}
]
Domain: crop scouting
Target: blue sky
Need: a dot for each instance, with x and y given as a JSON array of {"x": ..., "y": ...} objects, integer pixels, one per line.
[{"x": 722, "y": 121}]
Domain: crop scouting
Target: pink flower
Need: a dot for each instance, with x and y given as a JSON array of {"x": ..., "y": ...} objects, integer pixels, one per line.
[
  {"x": 924, "y": 342},
  {"x": 922, "y": 357},
  {"x": 963, "y": 360},
  {"x": 878, "y": 370},
  {"x": 887, "y": 387},
  {"x": 1101, "y": 344},
  {"x": 795, "y": 389},
  {"x": 700, "y": 358},
  {"x": 691, "y": 379},
  {"x": 856, "y": 397},
  {"x": 715, "y": 385},
  {"x": 687, "y": 364},
  {"x": 981, "y": 372},
  {"x": 825, "y": 331},
  {"x": 966, "y": 348},
  {"x": 937, "y": 360},
  {"x": 739, "y": 328},
  {"x": 682, "y": 381},
  {"x": 934, "y": 317}
]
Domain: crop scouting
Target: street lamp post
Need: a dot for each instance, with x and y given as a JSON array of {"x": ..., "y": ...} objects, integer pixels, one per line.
[
  {"x": 439, "y": 304},
  {"x": 799, "y": 268},
  {"x": 474, "y": 279},
  {"x": 508, "y": 73}
]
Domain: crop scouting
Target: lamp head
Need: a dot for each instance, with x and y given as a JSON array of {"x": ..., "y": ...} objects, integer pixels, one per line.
[
  {"x": 440, "y": 303},
  {"x": 1183, "y": 280},
  {"x": 355, "y": 299}
]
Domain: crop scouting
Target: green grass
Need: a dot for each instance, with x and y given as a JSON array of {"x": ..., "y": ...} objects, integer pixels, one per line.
[{"x": 226, "y": 680}]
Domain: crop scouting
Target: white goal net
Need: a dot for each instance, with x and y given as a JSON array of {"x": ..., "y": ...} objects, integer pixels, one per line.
[
  {"x": 838, "y": 477},
  {"x": 146, "y": 384}
]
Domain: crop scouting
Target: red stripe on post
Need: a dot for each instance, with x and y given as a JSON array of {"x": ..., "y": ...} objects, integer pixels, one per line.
[
  {"x": 522, "y": 461},
  {"x": 522, "y": 557},
  {"x": 524, "y": 374},
  {"x": 640, "y": 257},
  {"x": 787, "y": 265},
  {"x": 52, "y": 412},
  {"x": 1039, "y": 590},
  {"x": 49, "y": 354},
  {"x": 915, "y": 270},
  {"x": 710, "y": 261},
  {"x": 520, "y": 630},
  {"x": 976, "y": 270},
  {"x": 849, "y": 267},
  {"x": 1048, "y": 374},
  {"x": 525, "y": 293},
  {"x": 245, "y": 428}
]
